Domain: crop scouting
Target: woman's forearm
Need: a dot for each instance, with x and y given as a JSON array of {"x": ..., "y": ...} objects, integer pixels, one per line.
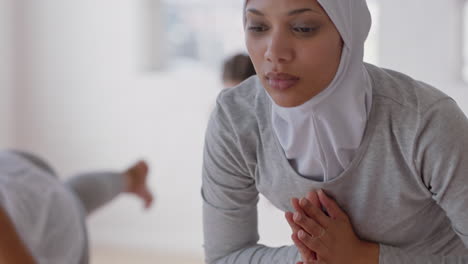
[
  {"x": 390, "y": 255},
  {"x": 260, "y": 254},
  {"x": 96, "y": 189}
]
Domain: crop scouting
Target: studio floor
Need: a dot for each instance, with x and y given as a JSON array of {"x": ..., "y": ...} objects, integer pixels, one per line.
[{"x": 109, "y": 255}]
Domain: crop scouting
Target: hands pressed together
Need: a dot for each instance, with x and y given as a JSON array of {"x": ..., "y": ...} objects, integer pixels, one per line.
[{"x": 326, "y": 235}]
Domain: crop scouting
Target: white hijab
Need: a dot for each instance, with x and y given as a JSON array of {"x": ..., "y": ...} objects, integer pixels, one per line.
[{"x": 321, "y": 136}]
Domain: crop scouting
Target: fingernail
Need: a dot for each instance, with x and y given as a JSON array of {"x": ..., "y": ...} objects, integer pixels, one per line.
[
  {"x": 301, "y": 234},
  {"x": 297, "y": 216},
  {"x": 292, "y": 200},
  {"x": 303, "y": 202}
]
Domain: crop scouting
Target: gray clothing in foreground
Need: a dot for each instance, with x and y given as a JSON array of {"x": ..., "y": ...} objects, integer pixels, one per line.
[
  {"x": 42, "y": 211},
  {"x": 92, "y": 191},
  {"x": 406, "y": 189},
  {"x": 83, "y": 194}
]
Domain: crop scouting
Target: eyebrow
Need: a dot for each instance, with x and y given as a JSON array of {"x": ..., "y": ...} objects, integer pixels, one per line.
[
  {"x": 302, "y": 10},
  {"x": 290, "y": 13}
]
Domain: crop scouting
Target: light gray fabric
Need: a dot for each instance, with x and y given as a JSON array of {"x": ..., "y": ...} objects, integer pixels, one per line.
[
  {"x": 42, "y": 210},
  {"x": 96, "y": 189},
  {"x": 27, "y": 188},
  {"x": 35, "y": 160},
  {"x": 406, "y": 188},
  {"x": 92, "y": 191},
  {"x": 85, "y": 256}
]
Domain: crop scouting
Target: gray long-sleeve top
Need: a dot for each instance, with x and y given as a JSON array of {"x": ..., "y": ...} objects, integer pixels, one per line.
[
  {"x": 91, "y": 191},
  {"x": 406, "y": 189},
  {"x": 48, "y": 215}
]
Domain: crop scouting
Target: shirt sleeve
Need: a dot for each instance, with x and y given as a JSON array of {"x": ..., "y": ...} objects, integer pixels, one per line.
[
  {"x": 441, "y": 157},
  {"x": 44, "y": 214},
  {"x": 96, "y": 189},
  {"x": 392, "y": 255},
  {"x": 230, "y": 201}
]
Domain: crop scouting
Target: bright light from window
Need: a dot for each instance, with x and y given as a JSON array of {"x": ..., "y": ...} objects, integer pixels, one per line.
[{"x": 204, "y": 31}]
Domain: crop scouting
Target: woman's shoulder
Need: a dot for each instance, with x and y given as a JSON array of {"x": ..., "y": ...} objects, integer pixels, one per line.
[
  {"x": 244, "y": 103},
  {"x": 403, "y": 90},
  {"x": 240, "y": 112},
  {"x": 241, "y": 96}
]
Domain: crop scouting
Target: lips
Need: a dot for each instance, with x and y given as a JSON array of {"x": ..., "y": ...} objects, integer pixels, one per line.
[{"x": 281, "y": 81}]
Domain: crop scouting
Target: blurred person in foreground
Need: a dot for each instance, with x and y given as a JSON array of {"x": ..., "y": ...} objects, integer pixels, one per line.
[{"x": 43, "y": 220}]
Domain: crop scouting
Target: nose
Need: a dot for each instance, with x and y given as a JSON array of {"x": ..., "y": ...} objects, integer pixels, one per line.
[{"x": 279, "y": 49}]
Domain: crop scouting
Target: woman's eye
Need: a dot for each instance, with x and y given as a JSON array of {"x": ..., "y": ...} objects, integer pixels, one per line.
[
  {"x": 257, "y": 28},
  {"x": 304, "y": 29}
]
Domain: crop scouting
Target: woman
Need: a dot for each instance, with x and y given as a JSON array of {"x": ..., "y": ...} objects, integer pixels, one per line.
[{"x": 382, "y": 153}]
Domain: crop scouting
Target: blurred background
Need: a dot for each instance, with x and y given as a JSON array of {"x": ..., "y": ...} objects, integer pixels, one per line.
[{"x": 94, "y": 84}]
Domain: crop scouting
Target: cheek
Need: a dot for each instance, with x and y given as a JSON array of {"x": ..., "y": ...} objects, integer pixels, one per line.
[
  {"x": 335, "y": 46},
  {"x": 321, "y": 56},
  {"x": 256, "y": 52}
]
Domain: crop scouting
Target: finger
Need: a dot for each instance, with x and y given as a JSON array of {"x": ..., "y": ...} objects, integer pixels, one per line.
[
  {"x": 296, "y": 206},
  {"x": 314, "y": 212},
  {"x": 303, "y": 250},
  {"x": 301, "y": 247},
  {"x": 289, "y": 217},
  {"x": 312, "y": 244},
  {"x": 331, "y": 206},
  {"x": 313, "y": 198},
  {"x": 308, "y": 224},
  {"x": 306, "y": 254},
  {"x": 295, "y": 228}
]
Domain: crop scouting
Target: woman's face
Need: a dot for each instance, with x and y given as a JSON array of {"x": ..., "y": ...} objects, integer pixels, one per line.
[{"x": 294, "y": 46}]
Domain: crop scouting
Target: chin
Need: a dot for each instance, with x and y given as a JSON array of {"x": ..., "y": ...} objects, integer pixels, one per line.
[
  {"x": 283, "y": 101},
  {"x": 289, "y": 98}
]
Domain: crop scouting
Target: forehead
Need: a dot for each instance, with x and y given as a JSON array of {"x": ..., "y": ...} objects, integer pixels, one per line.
[{"x": 283, "y": 7}]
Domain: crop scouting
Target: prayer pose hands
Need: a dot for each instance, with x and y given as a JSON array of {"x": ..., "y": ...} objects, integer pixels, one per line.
[{"x": 327, "y": 237}]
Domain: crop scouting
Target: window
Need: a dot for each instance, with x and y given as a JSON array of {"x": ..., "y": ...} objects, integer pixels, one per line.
[{"x": 204, "y": 31}]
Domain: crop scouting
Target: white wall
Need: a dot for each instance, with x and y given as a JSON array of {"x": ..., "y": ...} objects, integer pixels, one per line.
[
  {"x": 85, "y": 103},
  {"x": 423, "y": 38},
  {"x": 6, "y": 73}
]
